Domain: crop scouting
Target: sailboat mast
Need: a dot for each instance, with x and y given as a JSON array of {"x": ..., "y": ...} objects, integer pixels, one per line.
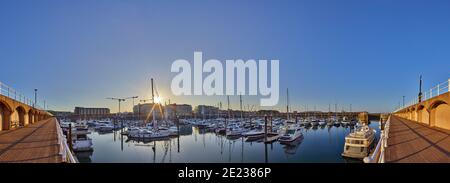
[
  {"x": 153, "y": 93},
  {"x": 153, "y": 100},
  {"x": 287, "y": 104},
  {"x": 350, "y": 112},
  {"x": 228, "y": 110},
  {"x": 219, "y": 105},
  {"x": 307, "y": 113},
  {"x": 329, "y": 111},
  {"x": 240, "y": 101},
  {"x": 228, "y": 100},
  {"x": 335, "y": 111}
]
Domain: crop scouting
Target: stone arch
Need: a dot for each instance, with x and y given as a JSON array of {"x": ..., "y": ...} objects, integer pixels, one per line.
[
  {"x": 18, "y": 117},
  {"x": 422, "y": 114},
  {"x": 440, "y": 114},
  {"x": 31, "y": 116},
  {"x": 5, "y": 116},
  {"x": 36, "y": 117}
]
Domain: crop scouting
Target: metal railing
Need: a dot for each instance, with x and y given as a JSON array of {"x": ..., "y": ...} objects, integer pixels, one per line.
[
  {"x": 10, "y": 92},
  {"x": 378, "y": 154},
  {"x": 435, "y": 91},
  {"x": 64, "y": 150}
]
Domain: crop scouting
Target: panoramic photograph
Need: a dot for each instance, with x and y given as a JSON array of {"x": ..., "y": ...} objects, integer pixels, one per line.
[{"x": 225, "y": 82}]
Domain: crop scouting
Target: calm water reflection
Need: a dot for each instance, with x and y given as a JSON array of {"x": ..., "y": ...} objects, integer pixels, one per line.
[{"x": 319, "y": 145}]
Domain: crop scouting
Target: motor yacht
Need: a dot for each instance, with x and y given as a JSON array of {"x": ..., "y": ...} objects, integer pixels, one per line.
[
  {"x": 337, "y": 123},
  {"x": 359, "y": 143},
  {"x": 253, "y": 135},
  {"x": 291, "y": 133},
  {"x": 315, "y": 123},
  {"x": 80, "y": 141},
  {"x": 234, "y": 130},
  {"x": 322, "y": 122}
]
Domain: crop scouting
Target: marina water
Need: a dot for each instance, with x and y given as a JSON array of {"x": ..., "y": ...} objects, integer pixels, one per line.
[{"x": 319, "y": 145}]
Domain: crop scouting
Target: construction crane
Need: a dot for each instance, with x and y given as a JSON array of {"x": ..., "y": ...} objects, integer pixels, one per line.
[
  {"x": 122, "y": 100},
  {"x": 134, "y": 97}
]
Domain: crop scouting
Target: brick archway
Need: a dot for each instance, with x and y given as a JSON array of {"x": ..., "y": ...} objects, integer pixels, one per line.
[
  {"x": 5, "y": 116},
  {"x": 31, "y": 116},
  {"x": 19, "y": 114}
]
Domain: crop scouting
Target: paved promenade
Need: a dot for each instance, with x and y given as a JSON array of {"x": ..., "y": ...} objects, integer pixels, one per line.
[
  {"x": 412, "y": 142},
  {"x": 35, "y": 143}
]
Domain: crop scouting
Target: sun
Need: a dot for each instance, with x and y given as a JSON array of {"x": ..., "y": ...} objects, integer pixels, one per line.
[{"x": 158, "y": 100}]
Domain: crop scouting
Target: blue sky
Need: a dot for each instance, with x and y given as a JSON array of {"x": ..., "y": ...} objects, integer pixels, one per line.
[{"x": 365, "y": 53}]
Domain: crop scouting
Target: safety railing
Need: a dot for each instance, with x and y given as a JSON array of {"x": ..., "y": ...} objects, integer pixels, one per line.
[
  {"x": 437, "y": 90},
  {"x": 5, "y": 90},
  {"x": 378, "y": 154},
  {"x": 64, "y": 150}
]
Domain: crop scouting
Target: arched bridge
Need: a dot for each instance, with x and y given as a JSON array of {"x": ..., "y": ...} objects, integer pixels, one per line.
[
  {"x": 29, "y": 134},
  {"x": 15, "y": 113},
  {"x": 418, "y": 132},
  {"x": 434, "y": 111}
]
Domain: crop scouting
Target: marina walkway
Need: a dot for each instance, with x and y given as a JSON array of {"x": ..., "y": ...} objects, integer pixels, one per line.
[
  {"x": 35, "y": 143},
  {"x": 412, "y": 142}
]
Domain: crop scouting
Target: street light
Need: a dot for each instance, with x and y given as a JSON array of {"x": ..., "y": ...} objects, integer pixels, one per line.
[
  {"x": 403, "y": 101},
  {"x": 35, "y": 98}
]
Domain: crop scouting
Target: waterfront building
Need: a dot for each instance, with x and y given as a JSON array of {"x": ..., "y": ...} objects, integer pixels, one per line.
[
  {"x": 181, "y": 110},
  {"x": 144, "y": 111},
  {"x": 91, "y": 112},
  {"x": 61, "y": 114},
  {"x": 204, "y": 111}
]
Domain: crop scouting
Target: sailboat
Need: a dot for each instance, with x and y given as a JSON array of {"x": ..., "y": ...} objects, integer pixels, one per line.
[
  {"x": 233, "y": 130},
  {"x": 329, "y": 119},
  {"x": 149, "y": 132},
  {"x": 291, "y": 132}
]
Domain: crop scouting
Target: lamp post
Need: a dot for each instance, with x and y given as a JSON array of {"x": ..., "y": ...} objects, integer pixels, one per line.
[
  {"x": 35, "y": 98},
  {"x": 403, "y": 101},
  {"x": 420, "y": 88}
]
